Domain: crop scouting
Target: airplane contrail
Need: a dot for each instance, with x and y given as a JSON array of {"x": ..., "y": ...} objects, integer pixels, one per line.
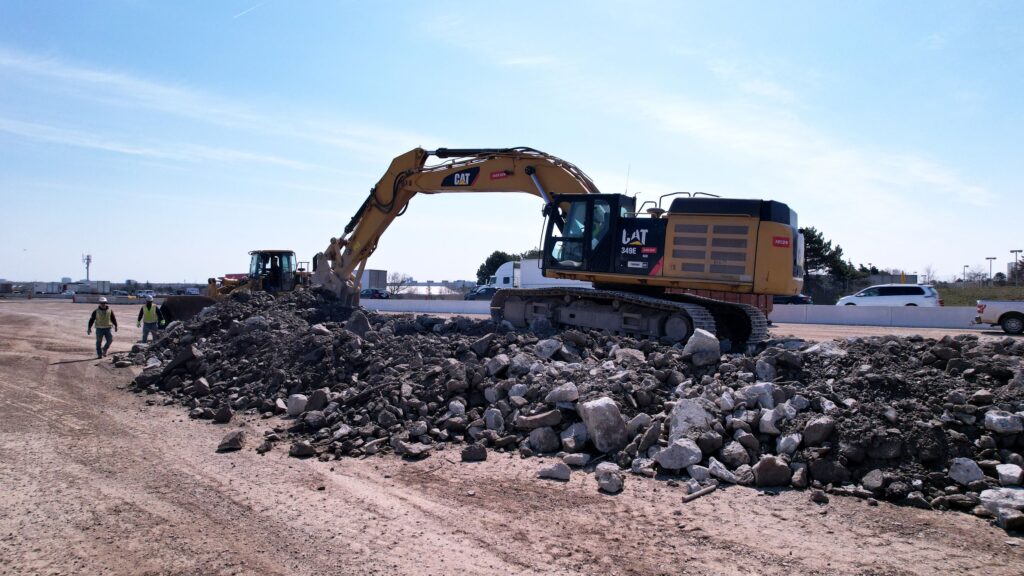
[{"x": 246, "y": 11}]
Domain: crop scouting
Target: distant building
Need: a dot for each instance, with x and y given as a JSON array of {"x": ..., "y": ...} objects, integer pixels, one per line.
[
  {"x": 375, "y": 279},
  {"x": 65, "y": 280}
]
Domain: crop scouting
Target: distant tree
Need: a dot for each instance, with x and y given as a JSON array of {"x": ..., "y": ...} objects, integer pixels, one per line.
[
  {"x": 531, "y": 254},
  {"x": 491, "y": 265},
  {"x": 999, "y": 278},
  {"x": 1017, "y": 272},
  {"x": 398, "y": 282},
  {"x": 977, "y": 274},
  {"x": 930, "y": 273},
  {"x": 820, "y": 258}
]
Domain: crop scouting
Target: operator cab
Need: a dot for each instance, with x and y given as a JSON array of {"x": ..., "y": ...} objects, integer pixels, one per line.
[
  {"x": 275, "y": 269},
  {"x": 602, "y": 233}
]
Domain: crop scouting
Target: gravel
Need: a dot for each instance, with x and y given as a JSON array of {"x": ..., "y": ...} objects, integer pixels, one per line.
[{"x": 916, "y": 421}]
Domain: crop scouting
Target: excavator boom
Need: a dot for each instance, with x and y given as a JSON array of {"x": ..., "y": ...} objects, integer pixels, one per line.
[{"x": 522, "y": 170}]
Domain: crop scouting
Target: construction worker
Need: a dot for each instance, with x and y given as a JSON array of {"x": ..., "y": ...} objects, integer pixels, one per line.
[
  {"x": 103, "y": 318},
  {"x": 150, "y": 318}
]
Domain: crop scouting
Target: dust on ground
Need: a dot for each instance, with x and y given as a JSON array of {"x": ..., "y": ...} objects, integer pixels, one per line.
[{"x": 96, "y": 481}]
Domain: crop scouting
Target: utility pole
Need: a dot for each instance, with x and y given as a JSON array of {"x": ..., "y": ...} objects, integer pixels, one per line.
[
  {"x": 964, "y": 276},
  {"x": 990, "y": 260},
  {"x": 87, "y": 260},
  {"x": 1015, "y": 271}
]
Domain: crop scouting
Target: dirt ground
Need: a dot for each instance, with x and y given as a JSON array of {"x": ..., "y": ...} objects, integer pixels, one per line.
[{"x": 96, "y": 480}]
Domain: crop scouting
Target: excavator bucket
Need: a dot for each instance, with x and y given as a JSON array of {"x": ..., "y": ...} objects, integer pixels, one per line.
[{"x": 184, "y": 307}]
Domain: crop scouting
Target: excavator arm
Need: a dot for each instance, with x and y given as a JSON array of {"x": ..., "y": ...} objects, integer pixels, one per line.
[{"x": 339, "y": 268}]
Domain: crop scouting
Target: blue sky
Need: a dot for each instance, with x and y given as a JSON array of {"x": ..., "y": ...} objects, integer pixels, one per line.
[{"x": 169, "y": 138}]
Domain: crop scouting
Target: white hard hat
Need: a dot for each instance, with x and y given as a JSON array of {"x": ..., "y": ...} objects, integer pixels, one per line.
[
  {"x": 149, "y": 298},
  {"x": 103, "y": 300}
]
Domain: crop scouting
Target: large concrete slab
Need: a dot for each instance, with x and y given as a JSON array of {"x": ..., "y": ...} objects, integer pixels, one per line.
[
  {"x": 905, "y": 316},
  {"x": 429, "y": 306}
]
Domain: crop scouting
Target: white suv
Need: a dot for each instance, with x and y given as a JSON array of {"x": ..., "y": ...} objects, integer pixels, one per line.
[{"x": 893, "y": 295}]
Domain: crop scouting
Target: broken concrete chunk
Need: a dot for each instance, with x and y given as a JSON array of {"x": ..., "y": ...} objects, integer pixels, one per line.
[
  {"x": 704, "y": 347},
  {"x": 605, "y": 427},
  {"x": 555, "y": 471},
  {"x": 232, "y": 441},
  {"x": 609, "y": 477}
]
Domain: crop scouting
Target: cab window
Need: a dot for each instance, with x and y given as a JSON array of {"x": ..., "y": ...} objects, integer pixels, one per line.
[
  {"x": 575, "y": 221},
  {"x": 567, "y": 249},
  {"x": 601, "y": 221}
]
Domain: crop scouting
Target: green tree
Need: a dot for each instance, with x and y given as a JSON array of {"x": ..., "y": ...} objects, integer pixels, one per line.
[
  {"x": 820, "y": 258},
  {"x": 497, "y": 258},
  {"x": 491, "y": 265}
]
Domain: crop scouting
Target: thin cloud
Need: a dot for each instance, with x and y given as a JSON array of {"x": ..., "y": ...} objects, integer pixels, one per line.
[
  {"x": 935, "y": 41},
  {"x": 790, "y": 147},
  {"x": 124, "y": 90},
  {"x": 529, "y": 61},
  {"x": 247, "y": 10},
  {"x": 178, "y": 152},
  {"x": 750, "y": 83}
]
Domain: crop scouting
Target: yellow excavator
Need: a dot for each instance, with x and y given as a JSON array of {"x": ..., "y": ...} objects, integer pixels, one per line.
[{"x": 701, "y": 262}]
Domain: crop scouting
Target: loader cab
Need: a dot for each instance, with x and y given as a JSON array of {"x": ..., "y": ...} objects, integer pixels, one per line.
[
  {"x": 274, "y": 269},
  {"x": 584, "y": 235}
]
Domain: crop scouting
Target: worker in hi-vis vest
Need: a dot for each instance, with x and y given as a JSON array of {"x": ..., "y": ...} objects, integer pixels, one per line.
[
  {"x": 103, "y": 318},
  {"x": 150, "y": 318}
]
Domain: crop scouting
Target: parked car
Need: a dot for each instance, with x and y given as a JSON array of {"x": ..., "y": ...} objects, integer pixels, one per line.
[
  {"x": 145, "y": 293},
  {"x": 374, "y": 294},
  {"x": 798, "y": 299},
  {"x": 894, "y": 295},
  {"x": 68, "y": 293},
  {"x": 193, "y": 291},
  {"x": 118, "y": 293},
  {"x": 482, "y": 293},
  {"x": 1007, "y": 315}
]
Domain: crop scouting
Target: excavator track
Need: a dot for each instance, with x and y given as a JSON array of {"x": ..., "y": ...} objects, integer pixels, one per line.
[{"x": 626, "y": 312}]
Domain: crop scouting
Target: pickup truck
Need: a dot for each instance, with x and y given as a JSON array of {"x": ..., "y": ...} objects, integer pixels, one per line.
[{"x": 1008, "y": 315}]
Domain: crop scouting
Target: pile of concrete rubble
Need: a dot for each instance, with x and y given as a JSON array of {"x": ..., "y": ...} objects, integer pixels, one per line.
[{"x": 922, "y": 422}]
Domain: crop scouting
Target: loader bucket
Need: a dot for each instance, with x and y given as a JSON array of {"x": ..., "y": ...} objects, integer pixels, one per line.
[{"x": 184, "y": 307}]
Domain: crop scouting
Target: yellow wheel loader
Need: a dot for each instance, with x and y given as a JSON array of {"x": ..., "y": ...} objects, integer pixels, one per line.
[{"x": 269, "y": 271}]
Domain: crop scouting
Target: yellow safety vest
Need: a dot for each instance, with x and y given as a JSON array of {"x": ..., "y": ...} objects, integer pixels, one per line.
[
  {"x": 103, "y": 318},
  {"x": 149, "y": 314}
]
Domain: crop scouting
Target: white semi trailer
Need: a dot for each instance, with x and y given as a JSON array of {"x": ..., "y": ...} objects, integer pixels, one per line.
[{"x": 527, "y": 274}]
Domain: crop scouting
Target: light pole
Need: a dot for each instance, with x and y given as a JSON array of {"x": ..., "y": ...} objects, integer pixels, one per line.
[
  {"x": 990, "y": 260},
  {"x": 964, "y": 276},
  {"x": 1016, "y": 273}
]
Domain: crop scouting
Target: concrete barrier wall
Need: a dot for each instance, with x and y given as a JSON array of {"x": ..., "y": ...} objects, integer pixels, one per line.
[
  {"x": 904, "y": 316},
  {"x": 901, "y": 316},
  {"x": 94, "y": 298},
  {"x": 429, "y": 306}
]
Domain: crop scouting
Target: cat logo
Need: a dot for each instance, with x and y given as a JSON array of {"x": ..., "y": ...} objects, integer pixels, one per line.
[
  {"x": 462, "y": 178},
  {"x": 637, "y": 238}
]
